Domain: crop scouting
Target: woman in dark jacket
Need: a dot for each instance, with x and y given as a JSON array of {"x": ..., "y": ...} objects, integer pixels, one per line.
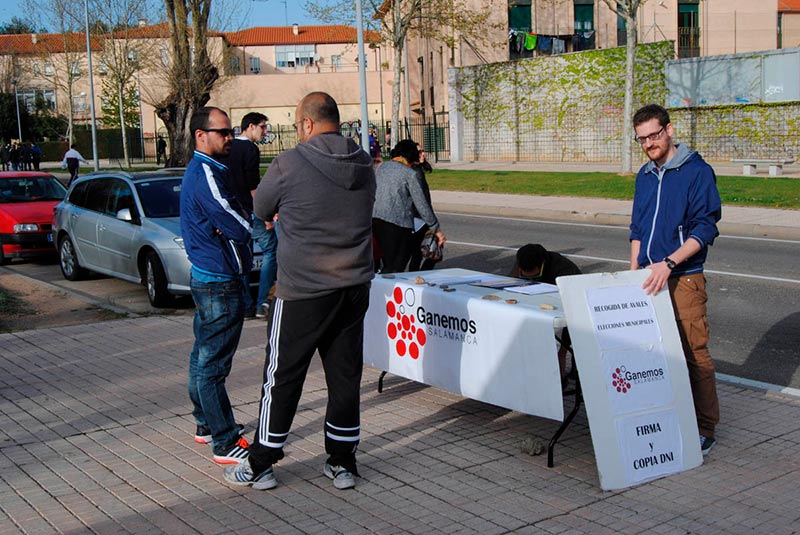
[{"x": 399, "y": 197}]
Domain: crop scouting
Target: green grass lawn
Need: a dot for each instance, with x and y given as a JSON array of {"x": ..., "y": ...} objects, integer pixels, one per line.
[{"x": 767, "y": 192}]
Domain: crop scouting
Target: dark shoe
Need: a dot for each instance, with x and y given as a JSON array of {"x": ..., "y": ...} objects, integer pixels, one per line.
[
  {"x": 250, "y": 314},
  {"x": 242, "y": 475},
  {"x": 234, "y": 454},
  {"x": 203, "y": 434},
  {"x": 706, "y": 443},
  {"x": 342, "y": 477},
  {"x": 262, "y": 311}
]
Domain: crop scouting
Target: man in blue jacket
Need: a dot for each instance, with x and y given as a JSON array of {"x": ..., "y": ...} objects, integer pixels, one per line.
[
  {"x": 216, "y": 232},
  {"x": 676, "y": 207}
]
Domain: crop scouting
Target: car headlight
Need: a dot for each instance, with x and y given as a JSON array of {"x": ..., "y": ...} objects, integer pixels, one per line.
[
  {"x": 179, "y": 241},
  {"x": 26, "y": 227}
]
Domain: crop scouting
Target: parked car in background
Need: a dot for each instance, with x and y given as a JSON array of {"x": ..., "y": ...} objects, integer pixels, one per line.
[
  {"x": 27, "y": 200},
  {"x": 127, "y": 226}
]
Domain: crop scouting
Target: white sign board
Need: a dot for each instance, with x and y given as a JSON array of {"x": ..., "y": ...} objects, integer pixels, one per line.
[
  {"x": 633, "y": 375},
  {"x": 493, "y": 351}
]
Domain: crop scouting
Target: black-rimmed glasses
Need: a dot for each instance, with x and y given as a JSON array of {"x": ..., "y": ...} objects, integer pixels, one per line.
[
  {"x": 224, "y": 132},
  {"x": 641, "y": 140}
]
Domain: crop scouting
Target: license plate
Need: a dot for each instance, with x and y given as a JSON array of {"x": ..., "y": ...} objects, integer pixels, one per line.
[
  {"x": 257, "y": 263},
  {"x": 50, "y": 238}
]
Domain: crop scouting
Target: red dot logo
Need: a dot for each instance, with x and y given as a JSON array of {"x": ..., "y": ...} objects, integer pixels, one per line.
[
  {"x": 618, "y": 381},
  {"x": 401, "y": 328}
]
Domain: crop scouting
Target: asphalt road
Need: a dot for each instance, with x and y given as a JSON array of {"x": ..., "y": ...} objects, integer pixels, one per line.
[{"x": 754, "y": 284}]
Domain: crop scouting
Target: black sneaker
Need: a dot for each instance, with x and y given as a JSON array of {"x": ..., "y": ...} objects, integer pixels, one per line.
[
  {"x": 342, "y": 477},
  {"x": 262, "y": 311},
  {"x": 235, "y": 454},
  {"x": 203, "y": 434},
  {"x": 706, "y": 443},
  {"x": 242, "y": 475}
]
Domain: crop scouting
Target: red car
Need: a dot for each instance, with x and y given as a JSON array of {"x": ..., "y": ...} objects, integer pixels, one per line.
[{"x": 27, "y": 199}]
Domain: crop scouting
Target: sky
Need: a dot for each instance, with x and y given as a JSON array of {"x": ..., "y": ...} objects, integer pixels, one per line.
[{"x": 252, "y": 13}]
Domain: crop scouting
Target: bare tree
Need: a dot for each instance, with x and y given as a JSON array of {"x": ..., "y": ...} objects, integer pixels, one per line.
[
  {"x": 117, "y": 25},
  {"x": 448, "y": 21},
  {"x": 62, "y": 52},
  {"x": 191, "y": 72},
  {"x": 629, "y": 11}
]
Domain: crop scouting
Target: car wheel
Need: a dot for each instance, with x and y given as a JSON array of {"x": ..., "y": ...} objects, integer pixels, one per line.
[
  {"x": 3, "y": 259},
  {"x": 155, "y": 280},
  {"x": 68, "y": 259}
]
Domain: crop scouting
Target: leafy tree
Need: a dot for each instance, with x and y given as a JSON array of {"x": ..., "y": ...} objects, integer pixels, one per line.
[
  {"x": 111, "y": 104},
  {"x": 8, "y": 118},
  {"x": 628, "y": 10},
  {"x": 191, "y": 74},
  {"x": 18, "y": 25}
]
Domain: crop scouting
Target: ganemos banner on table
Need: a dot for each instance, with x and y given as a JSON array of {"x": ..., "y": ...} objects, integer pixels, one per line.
[
  {"x": 634, "y": 377},
  {"x": 492, "y": 351}
]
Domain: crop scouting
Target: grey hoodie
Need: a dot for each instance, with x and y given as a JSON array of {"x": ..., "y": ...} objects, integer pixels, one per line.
[{"x": 323, "y": 190}]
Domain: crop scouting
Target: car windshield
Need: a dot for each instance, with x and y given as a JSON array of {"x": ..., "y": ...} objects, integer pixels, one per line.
[
  {"x": 31, "y": 188},
  {"x": 161, "y": 197}
]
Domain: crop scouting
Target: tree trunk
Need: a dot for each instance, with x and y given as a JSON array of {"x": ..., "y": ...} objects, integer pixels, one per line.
[
  {"x": 125, "y": 156},
  {"x": 627, "y": 113}
]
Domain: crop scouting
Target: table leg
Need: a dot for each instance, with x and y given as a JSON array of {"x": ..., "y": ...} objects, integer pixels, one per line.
[
  {"x": 380, "y": 381},
  {"x": 578, "y": 400}
]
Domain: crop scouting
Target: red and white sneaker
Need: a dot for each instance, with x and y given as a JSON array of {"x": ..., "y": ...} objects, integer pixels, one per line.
[{"x": 235, "y": 454}]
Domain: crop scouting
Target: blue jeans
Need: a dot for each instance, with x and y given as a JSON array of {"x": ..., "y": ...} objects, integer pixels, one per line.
[
  {"x": 218, "y": 320},
  {"x": 268, "y": 241}
]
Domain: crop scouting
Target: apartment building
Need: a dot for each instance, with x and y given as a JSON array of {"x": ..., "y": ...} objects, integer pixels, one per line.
[{"x": 262, "y": 69}]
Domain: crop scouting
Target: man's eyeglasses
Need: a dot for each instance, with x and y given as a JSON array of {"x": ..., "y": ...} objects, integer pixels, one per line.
[
  {"x": 641, "y": 140},
  {"x": 224, "y": 132}
]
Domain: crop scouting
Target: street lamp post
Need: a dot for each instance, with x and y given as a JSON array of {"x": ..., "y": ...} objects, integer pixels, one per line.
[
  {"x": 91, "y": 86},
  {"x": 362, "y": 77},
  {"x": 16, "y": 101}
]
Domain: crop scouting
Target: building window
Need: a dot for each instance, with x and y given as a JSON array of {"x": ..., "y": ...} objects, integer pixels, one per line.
[
  {"x": 688, "y": 29},
  {"x": 622, "y": 31},
  {"x": 294, "y": 55},
  {"x": 75, "y": 68},
  {"x": 584, "y": 15},
  {"x": 38, "y": 99},
  {"x": 164, "y": 56},
  {"x": 235, "y": 64},
  {"x": 255, "y": 64},
  {"x": 336, "y": 62}
]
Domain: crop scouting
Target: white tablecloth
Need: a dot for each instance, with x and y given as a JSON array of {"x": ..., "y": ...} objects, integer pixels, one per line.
[{"x": 503, "y": 354}]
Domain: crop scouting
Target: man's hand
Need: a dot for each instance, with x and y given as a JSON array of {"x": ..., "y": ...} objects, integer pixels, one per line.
[
  {"x": 269, "y": 225},
  {"x": 440, "y": 237},
  {"x": 659, "y": 275}
]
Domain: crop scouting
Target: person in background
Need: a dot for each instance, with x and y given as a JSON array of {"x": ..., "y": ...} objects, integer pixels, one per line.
[
  {"x": 216, "y": 232},
  {"x": 398, "y": 198},
  {"x": 535, "y": 263},
  {"x": 422, "y": 167},
  {"x": 676, "y": 208},
  {"x": 5, "y": 155},
  {"x": 244, "y": 162},
  {"x": 324, "y": 189},
  {"x": 161, "y": 150},
  {"x": 36, "y": 156},
  {"x": 72, "y": 161}
]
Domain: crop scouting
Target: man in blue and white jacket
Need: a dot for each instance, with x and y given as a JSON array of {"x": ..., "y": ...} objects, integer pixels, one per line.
[
  {"x": 676, "y": 207},
  {"x": 216, "y": 232}
]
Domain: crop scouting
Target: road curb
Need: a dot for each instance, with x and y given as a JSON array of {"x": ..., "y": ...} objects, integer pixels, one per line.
[{"x": 573, "y": 216}]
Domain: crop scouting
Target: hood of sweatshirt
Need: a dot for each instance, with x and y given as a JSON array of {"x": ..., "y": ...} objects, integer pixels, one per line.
[
  {"x": 682, "y": 155},
  {"x": 337, "y": 157}
]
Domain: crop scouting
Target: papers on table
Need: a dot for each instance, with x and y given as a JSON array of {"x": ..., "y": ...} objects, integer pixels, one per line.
[
  {"x": 534, "y": 289},
  {"x": 445, "y": 279}
]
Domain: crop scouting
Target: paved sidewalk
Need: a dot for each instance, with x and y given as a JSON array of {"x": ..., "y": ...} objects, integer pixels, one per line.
[{"x": 96, "y": 437}]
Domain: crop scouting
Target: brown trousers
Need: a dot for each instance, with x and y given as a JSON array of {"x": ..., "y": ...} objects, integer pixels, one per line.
[{"x": 689, "y": 297}]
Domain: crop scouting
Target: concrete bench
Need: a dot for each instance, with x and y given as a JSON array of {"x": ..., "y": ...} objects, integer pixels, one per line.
[{"x": 775, "y": 165}]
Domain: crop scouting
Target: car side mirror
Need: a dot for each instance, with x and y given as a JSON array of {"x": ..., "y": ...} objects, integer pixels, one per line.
[{"x": 125, "y": 215}]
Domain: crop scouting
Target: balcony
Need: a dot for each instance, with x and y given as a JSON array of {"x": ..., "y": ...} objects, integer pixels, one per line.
[{"x": 688, "y": 42}]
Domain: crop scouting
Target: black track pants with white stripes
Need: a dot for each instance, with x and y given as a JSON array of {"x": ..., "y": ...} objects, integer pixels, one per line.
[{"x": 334, "y": 325}]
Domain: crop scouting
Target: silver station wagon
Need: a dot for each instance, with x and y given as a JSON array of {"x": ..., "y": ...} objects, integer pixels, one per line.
[{"x": 127, "y": 225}]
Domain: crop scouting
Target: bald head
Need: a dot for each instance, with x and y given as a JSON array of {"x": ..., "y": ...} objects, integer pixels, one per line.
[{"x": 320, "y": 108}]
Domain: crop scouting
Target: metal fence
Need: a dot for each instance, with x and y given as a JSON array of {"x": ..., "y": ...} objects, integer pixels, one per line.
[{"x": 434, "y": 136}]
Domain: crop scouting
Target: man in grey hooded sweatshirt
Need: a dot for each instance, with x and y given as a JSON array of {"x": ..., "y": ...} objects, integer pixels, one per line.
[{"x": 324, "y": 190}]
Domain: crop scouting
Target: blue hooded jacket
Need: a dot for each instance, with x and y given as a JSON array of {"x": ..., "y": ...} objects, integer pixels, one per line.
[
  {"x": 675, "y": 203},
  {"x": 208, "y": 205}
]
